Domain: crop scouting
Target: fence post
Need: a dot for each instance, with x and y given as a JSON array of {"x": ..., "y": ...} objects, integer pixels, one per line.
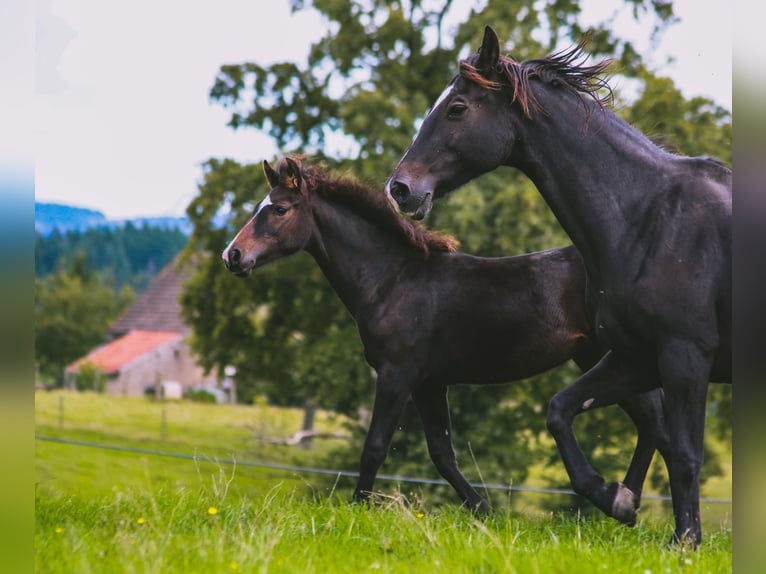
[
  {"x": 309, "y": 410},
  {"x": 164, "y": 424},
  {"x": 61, "y": 412}
]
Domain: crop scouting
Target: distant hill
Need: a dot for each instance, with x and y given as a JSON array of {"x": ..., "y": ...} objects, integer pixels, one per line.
[{"x": 50, "y": 216}]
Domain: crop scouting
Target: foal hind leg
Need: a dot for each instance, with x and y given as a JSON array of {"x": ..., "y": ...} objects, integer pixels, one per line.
[
  {"x": 433, "y": 408},
  {"x": 605, "y": 384}
]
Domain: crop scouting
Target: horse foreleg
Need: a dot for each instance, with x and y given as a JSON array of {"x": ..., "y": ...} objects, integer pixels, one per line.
[
  {"x": 685, "y": 370},
  {"x": 605, "y": 384},
  {"x": 433, "y": 408},
  {"x": 392, "y": 390}
]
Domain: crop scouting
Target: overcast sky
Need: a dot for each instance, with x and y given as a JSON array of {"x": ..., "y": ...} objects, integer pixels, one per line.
[{"x": 122, "y": 118}]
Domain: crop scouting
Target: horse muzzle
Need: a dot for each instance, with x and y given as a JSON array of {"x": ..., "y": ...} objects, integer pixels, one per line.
[
  {"x": 409, "y": 201},
  {"x": 236, "y": 263}
]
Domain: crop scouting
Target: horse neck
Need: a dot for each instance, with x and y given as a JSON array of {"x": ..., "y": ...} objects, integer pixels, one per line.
[
  {"x": 356, "y": 256},
  {"x": 588, "y": 173}
]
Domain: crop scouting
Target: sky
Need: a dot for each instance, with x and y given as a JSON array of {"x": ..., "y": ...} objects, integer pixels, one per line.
[{"x": 121, "y": 113}]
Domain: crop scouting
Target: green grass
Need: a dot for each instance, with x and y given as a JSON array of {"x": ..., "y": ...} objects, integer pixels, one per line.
[
  {"x": 109, "y": 511},
  {"x": 278, "y": 531},
  {"x": 206, "y": 431}
]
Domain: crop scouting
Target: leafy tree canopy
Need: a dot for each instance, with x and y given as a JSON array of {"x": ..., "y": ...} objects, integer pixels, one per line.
[
  {"x": 126, "y": 255},
  {"x": 73, "y": 310}
]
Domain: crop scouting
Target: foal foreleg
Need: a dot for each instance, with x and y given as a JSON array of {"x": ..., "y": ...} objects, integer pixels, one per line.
[
  {"x": 605, "y": 384},
  {"x": 392, "y": 391},
  {"x": 433, "y": 408}
]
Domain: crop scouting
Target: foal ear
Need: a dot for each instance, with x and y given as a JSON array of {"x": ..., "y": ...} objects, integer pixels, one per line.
[
  {"x": 271, "y": 175},
  {"x": 489, "y": 53},
  {"x": 290, "y": 173}
]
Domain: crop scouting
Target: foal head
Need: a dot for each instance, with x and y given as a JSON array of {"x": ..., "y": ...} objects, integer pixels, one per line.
[
  {"x": 280, "y": 224},
  {"x": 475, "y": 125}
]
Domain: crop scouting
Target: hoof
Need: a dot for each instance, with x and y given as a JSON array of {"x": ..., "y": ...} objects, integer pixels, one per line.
[
  {"x": 478, "y": 508},
  {"x": 624, "y": 505},
  {"x": 482, "y": 509},
  {"x": 687, "y": 542}
]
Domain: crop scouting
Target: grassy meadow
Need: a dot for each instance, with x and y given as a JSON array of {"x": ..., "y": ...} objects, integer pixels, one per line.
[{"x": 114, "y": 511}]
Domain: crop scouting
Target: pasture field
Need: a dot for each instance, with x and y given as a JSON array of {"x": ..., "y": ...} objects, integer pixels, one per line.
[{"x": 114, "y": 511}]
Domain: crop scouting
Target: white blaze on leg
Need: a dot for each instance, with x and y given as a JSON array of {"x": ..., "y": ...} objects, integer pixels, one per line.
[{"x": 266, "y": 201}]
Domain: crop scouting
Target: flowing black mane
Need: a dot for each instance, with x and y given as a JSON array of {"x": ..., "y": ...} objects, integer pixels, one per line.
[
  {"x": 373, "y": 205},
  {"x": 564, "y": 68}
]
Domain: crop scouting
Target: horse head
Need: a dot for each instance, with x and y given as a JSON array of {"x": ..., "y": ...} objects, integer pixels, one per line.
[
  {"x": 277, "y": 226},
  {"x": 467, "y": 132}
]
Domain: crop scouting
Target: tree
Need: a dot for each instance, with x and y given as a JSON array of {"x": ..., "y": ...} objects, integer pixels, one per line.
[
  {"x": 124, "y": 255},
  {"x": 369, "y": 80},
  {"x": 73, "y": 310}
]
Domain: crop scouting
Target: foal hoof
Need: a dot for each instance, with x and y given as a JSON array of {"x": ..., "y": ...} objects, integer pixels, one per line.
[
  {"x": 624, "y": 504},
  {"x": 478, "y": 508}
]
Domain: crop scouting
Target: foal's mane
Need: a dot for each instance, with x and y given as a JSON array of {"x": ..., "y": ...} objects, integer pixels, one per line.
[
  {"x": 564, "y": 68},
  {"x": 372, "y": 205}
]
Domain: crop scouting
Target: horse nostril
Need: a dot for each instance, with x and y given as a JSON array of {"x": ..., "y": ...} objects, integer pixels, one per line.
[
  {"x": 399, "y": 191},
  {"x": 235, "y": 256}
]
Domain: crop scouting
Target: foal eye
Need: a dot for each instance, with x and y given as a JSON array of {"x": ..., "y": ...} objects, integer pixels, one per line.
[
  {"x": 279, "y": 210},
  {"x": 456, "y": 110}
]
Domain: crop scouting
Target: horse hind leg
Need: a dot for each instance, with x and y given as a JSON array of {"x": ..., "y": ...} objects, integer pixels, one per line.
[
  {"x": 433, "y": 408},
  {"x": 646, "y": 412},
  {"x": 605, "y": 384},
  {"x": 685, "y": 371}
]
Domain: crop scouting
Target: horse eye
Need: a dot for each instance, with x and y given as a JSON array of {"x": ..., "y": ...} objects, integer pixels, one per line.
[
  {"x": 456, "y": 110},
  {"x": 279, "y": 210}
]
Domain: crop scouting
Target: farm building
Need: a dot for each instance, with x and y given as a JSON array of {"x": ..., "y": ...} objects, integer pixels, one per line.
[{"x": 147, "y": 345}]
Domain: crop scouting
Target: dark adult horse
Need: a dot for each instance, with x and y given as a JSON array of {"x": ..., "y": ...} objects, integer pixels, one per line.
[
  {"x": 654, "y": 231},
  {"x": 429, "y": 317}
]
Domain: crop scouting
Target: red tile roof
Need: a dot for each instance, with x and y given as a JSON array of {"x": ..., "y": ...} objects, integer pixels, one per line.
[{"x": 120, "y": 352}]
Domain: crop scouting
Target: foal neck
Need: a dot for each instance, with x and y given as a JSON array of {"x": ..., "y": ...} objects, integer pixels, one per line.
[{"x": 357, "y": 255}]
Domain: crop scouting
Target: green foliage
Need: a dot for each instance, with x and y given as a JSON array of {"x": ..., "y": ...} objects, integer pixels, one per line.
[
  {"x": 369, "y": 80},
  {"x": 201, "y": 396},
  {"x": 126, "y": 255},
  {"x": 696, "y": 127},
  {"x": 89, "y": 378},
  {"x": 73, "y": 310}
]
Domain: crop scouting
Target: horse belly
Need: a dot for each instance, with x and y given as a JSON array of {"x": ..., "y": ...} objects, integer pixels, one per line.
[{"x": 509, "y": 358}]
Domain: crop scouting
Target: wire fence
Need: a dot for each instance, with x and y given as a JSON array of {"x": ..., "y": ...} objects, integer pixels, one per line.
[{"x": 332, "y": 472}]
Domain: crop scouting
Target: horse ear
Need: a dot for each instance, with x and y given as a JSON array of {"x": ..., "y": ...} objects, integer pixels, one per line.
[
  {"x": 271, "y": 175},
  {"x": 290, "y": 173},
  {"x": 489, "y": 53}
]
